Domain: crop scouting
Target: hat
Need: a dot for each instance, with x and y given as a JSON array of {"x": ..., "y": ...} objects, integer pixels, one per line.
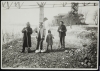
[{"x": 28, "y": 23}]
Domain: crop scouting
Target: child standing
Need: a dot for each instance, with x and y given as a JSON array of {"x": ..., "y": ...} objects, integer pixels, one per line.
[{"x": 49, "y": 39}]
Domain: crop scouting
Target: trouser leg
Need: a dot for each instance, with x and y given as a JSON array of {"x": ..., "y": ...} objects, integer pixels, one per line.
[
  {"x": 47, "y": 46},
  {"x": 41, "y": 44},
  {"x": 61, "y": 40},
  {"x": 51, "y": 47},
  {"x": 29, "y": 49},
  {"x": 23, "y": 50},
  {"x": 37, "y": 45}
]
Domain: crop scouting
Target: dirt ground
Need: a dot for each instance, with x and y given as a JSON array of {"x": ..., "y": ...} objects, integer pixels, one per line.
[{"x": 78, "y": 41}]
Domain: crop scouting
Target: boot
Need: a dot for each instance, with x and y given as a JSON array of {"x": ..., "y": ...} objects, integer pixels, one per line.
[{"x": 29, "y": 50}]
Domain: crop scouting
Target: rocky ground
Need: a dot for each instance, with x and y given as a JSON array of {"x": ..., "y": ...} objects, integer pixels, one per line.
[{"x": 80, "y": 51}]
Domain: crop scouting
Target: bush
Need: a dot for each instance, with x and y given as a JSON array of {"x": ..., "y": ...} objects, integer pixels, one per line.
[{"x": 88, "y": 55}]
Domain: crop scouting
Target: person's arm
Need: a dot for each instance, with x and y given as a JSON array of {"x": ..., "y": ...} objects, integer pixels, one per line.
[
  {"x": 30, "y": 31},
  {"x": 64, "y": 29},
  {"x": 58, "y": 29},
  {"x": 44, "y": 33},
  {"x": 47, "y": 38},
  {"x": 23, "y": 31},
  {"x": 35, "y": 30}
]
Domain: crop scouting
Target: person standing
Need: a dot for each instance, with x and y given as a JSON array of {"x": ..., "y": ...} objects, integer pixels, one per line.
[
  {"x": 27, "y": 31},
  {"x": 62, "y": 33},
  {"x": 49, "y": 39},
  {"x": 40, "y": 37}
]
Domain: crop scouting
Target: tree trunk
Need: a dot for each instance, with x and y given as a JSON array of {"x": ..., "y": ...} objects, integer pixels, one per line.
[{"x": 41, "y": 14}]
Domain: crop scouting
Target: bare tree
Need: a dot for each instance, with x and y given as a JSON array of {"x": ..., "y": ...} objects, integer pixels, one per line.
[{"x": 95, "y": 17}]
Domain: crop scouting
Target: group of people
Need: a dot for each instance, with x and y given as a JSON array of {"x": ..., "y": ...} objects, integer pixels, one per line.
[{"x": 41, "y": 34}]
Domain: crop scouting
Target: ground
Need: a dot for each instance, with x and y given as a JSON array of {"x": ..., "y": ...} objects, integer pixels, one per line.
[{"x": 79, "y": 43}]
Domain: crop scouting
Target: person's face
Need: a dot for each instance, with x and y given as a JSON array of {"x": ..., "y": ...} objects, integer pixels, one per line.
[
  {"x": 49, "y": 32},
  {"x": 61, "y": 23},
  {"x": 28, "y": 25}
]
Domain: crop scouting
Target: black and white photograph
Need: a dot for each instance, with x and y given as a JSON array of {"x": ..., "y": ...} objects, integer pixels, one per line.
[
  {"x": 59, "y": 35},
  {"x": 99, "y": 68}
]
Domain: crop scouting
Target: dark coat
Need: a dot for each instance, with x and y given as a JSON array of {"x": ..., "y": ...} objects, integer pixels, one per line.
[
  {"x": 49, "y": 39},
  {"x": 27, "y": 36},
  {"x": 63, "y": 29}
]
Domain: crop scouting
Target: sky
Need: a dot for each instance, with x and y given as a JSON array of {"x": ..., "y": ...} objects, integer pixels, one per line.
[{"x": 21, "y": 16}]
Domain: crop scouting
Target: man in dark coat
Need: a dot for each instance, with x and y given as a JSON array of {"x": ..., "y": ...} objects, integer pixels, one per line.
[
  {"x": 27, "y": 31},
  {"x": 62, "y": 33}
]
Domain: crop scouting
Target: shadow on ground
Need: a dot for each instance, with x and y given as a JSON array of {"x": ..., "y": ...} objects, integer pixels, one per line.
[{"x": 55, "y": 50}]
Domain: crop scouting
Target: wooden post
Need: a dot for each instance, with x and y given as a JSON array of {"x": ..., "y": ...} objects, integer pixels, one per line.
[
  {"x": 41, "y": 14},
  {"x": 41, "y": 5}
]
